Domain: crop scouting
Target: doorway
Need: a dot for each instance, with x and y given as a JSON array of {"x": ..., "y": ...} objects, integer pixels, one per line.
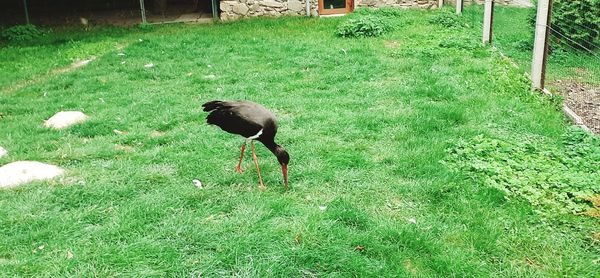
[{"x": 335, "y": 6}]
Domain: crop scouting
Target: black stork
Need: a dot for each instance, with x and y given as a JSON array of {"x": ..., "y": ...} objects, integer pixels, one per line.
[{"x": 253, "y": 122}]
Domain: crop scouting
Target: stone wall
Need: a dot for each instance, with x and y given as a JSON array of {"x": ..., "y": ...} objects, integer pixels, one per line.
[
  {"x": 423, "y": 4},
  {"x": 235, "y": 9},
  {"x": 520, "y": 3},
  {"x": 231, "y": 10}
]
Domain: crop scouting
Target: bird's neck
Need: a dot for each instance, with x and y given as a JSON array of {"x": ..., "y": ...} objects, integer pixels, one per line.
[{"x": 272, "y": 146}]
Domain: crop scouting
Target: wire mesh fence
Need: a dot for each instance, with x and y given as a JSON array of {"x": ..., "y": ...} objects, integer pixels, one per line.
[
  {"x": 574, "y": 72},
  {"x": 573, "y": 65},
  {"x": 103, "y": 12}
]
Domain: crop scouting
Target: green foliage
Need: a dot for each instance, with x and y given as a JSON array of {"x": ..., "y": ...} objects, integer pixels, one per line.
[
  {"x": 22, "y": 34},
  {"x": 577, "y": 21},
  {"x": 461, "y": 42},
  {"x": 364, "y": 26},
  {"x": 385, "y": 11},
  {"x": 145, "y": 26},
  {"x": 554, "y": 179},
  {"x": 447, "y": 19},
  {"x": 523, "y": 45}
]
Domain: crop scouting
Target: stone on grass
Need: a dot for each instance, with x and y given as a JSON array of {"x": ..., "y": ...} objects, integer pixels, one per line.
[
  {"x": 3, "y": 152},
  {"x": 197, "y": 183},
  {"x": 21, "y": 172},
  {"x": 64, "y": 119}
]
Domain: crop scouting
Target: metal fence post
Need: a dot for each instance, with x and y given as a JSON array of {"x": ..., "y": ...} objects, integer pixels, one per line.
[
  {"x": 26, "y": 11},
  {"x": 143, "y": 11},
  {"x": 215, "y": 9}
]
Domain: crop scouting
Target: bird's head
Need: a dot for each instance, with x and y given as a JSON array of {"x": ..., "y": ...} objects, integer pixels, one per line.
[{"x": 284, "y": 159}]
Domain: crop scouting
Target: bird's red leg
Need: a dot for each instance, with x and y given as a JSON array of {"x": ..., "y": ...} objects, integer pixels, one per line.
[
  {"x": 238, "y": 168},
  {"x": 261, "y": 185}
]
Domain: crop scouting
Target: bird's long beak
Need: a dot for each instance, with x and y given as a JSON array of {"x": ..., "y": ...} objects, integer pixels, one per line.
[{"x": 285, "y": 176}]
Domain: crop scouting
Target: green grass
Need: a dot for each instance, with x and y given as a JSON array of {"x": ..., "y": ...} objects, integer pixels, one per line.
[{"x": 367, "y": 123}]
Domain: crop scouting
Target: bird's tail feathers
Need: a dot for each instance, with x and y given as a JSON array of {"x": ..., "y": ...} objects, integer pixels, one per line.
[{"x": 212, "y": 105}]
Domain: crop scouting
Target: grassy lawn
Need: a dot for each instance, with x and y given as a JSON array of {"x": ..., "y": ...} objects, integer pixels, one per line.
[{"x": 368, "y": 124}]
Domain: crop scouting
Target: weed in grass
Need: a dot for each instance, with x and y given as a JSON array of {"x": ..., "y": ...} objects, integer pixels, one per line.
[
  {"x": 366, "y": 26},
  {"x": 553, "y": 179},
  {"x": 447, "y": 19}
]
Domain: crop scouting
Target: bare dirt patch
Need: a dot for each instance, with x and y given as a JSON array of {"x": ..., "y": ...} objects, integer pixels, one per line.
[
  {"x": 584, "y": 100},
  {"x": 52, "y": 73}
]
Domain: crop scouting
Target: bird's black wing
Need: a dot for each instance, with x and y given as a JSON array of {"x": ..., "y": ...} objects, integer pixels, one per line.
[{"x": 231, "y": 117}]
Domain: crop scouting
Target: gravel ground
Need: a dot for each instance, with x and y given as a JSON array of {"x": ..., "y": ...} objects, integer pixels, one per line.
[{"x": 583, "y": 99}]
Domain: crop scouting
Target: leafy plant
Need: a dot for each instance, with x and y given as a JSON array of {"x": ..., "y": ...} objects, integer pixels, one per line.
[
  {"x": 384, "y": 11},
  {"x": 461, "y": 42},
  {"x": 447, "y": 19},
  {"x": 21, "y": 33},
  {"x": 554, "y": 179},
  {"x": 523, "y": 45},
  {"x": 365, "y": 26}
]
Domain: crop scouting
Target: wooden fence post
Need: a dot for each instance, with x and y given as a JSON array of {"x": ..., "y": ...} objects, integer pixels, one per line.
[
  {"x": 440, "y": 3},
  {"x": 488, "y": 21},
  {"x": 540, "y": 46}
]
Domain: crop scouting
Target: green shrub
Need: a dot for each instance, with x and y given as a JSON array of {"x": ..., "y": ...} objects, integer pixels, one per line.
[
  {"x": 21, "y": 34},
  {"x": 461, "y": 42},
  {"x": 577, "y": 20},
  {"x": 365, "y": 26},
  {"x": 385, "y": 11},
  {"x": 523, "y": 45},
  {"x": 447, "y": 19}
]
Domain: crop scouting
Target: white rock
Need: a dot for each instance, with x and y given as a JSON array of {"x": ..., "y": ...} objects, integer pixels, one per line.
[
  {"x": 240, "y": 8},
  {"x": 295, "y": 6},
  {"x": 226, "y": 5},
  {"x": 197, "y": 183},
  {"x": 272, "y": 3},
  {"x": 3, "y": 152},
  {"x": 65, "y": 119},
  {"x": 21, "y": 172},
  {"x": 412, "y": 221},
  {"x": 151, "y": 65}
]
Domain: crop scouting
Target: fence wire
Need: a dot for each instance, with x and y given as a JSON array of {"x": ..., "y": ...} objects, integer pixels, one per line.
[
  {"x": 573, "y": 68},
  {"x": 97, "y": 13}
]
